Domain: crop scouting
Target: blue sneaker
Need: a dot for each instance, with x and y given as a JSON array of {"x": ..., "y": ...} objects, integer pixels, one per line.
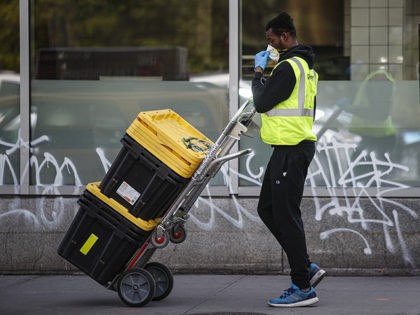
[
  {"x": 316, "y": 274},
  {"x": 294, "y": 297}
]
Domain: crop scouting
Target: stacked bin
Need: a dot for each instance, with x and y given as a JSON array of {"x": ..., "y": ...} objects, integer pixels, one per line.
[
  {"x": 118, "y": 214},
  {"x": 141, "y": 182},
  {"x": 103, "y": 236},
  {"x": 154, "y": 164}
]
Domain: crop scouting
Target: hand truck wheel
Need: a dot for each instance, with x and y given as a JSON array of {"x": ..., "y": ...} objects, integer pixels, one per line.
[
  {"x": 136, "y": 287},
  {"x": 178, "y": 234},
  {"x": 163, "y": 279},
  {"x": 159, "y": 242}
]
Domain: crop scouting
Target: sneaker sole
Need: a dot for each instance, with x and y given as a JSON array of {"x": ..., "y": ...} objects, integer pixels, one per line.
[
  {"x": 316, "y": 279},
  {"x": 297, "y": 304}
]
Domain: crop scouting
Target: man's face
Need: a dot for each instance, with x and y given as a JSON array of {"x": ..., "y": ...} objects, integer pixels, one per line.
[
  {"x": 273, "y": 39},
  {"x": 278, "y": 42}
]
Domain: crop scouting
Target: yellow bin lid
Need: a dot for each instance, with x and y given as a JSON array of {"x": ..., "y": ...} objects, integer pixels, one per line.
[
  {"x": 93, "y": 188},
  {"x": 163, "y": 133}
]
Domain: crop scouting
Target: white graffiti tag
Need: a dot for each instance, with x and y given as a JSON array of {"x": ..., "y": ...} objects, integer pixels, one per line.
[{"x": 335, "y": 168}]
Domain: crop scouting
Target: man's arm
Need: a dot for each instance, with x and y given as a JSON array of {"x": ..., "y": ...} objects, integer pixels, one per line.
[{"x": 274, "y": 89}]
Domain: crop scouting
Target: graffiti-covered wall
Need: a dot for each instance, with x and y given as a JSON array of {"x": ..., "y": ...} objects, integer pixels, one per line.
[
  {"x": 226, "y": 234},
  {"x": 355, "y": 215},
  {"x": 352, "y": 234}
]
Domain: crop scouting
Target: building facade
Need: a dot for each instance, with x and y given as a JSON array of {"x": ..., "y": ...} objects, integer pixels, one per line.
[{"x": 75, "y": 75}]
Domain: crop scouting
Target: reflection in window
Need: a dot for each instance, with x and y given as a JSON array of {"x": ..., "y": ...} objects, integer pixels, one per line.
[
  {"x": 73, "y": 40},
  {"x": 97, "y": 64},
  {"x": 368, "y": 111},
  {"x": 9, "y": 93}
]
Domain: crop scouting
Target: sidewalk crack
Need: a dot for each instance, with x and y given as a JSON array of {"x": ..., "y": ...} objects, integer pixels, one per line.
[{"x": 225, "y": 287}]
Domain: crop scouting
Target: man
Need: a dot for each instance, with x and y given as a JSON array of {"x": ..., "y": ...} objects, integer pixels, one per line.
[{"x": 286, "y": 101}]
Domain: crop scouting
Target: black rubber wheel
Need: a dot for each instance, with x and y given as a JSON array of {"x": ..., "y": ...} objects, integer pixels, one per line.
[
  {"x": 163, "y": 279},
  {"x": 136, "y": 287}
]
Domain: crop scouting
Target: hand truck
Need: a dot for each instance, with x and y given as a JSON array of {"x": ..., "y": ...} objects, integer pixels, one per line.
[{"x": 143, "y": 281}]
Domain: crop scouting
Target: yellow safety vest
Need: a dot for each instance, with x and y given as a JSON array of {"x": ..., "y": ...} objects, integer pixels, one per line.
[
  {"x": 291, "y": 121},
  {"x": 368, "y": 127}
]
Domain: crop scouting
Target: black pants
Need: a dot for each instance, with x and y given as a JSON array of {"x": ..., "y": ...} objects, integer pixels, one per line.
[{"x": 279, "y": 204}]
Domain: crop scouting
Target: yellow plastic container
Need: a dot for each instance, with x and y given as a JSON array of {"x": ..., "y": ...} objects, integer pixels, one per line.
[
  {"x": 93, "y": 188},
  {"x": 162, "y": 133}
]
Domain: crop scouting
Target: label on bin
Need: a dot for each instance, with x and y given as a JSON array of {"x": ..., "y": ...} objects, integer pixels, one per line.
[
  {"x": 128, "y": 193},
  {"x": 87, "y": 246}
]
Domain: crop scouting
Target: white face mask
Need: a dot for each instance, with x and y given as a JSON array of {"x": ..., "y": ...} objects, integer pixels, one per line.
[{"x": 274, "y": 54}]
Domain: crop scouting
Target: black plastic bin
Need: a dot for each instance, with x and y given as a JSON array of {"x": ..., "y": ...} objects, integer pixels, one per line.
[
  {"x": 141, "y": 182},
  {"x": 100, "y": 242}
]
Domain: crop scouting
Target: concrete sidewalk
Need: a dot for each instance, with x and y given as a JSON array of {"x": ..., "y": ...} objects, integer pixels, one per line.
[{"x": 209, "y": 294}]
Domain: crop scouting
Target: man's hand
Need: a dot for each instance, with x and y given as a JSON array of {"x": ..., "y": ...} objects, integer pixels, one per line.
[{"x": 261, "y": 60}]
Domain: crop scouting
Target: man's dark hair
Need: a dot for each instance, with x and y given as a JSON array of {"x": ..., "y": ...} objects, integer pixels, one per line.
[{"x": 282, "y": 23}]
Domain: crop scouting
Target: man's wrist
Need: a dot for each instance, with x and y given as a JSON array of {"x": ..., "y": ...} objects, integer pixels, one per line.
[{"x": 258, "y": 69}]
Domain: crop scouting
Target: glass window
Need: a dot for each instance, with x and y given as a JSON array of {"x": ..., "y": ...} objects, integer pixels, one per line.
[
  {"x": 9, "y": 93},
  {"x": 97, "y": 64},
  {"x": 368, "y": 110}
]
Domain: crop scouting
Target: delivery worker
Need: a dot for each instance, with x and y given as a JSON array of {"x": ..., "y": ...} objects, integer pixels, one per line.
[{"x": 286, "y": 101}]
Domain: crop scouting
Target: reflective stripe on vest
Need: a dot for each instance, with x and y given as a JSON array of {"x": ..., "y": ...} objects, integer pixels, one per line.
[{"x": 301, "y": 110}]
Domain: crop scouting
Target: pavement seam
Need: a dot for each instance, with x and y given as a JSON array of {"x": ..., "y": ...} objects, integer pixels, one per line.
[
  {"x": 18, "y": 283},
  {"x": 228, "y": 285}
]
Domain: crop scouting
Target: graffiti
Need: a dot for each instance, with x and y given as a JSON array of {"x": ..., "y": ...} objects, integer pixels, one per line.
[
  {"x": 335, "y": 173},
  {"x": 347, "y": 178},
  {"x": 367, "y": 250},
  {"x": 45, "y": 217},
  {"x": 236, "y": 218},
  {"x": 334, "y": 167}
]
